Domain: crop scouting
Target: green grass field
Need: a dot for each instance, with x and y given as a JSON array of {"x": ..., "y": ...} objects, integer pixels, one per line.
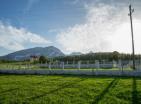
[{"x": 33, "y": 89}]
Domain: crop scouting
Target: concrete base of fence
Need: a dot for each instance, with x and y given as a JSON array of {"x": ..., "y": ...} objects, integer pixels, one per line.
[{"x": 136, "y": 73}]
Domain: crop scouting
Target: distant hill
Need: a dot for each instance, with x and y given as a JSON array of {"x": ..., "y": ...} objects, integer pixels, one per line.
[
  {"x": 50, "y": 51},
  {"x": 75, "y": 53}
]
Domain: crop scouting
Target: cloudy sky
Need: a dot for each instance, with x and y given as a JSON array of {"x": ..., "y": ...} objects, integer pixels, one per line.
[{"x": 70, "y": 25}]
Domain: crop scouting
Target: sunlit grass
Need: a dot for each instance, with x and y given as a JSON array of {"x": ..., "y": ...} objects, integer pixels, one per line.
[{"x": 31, "y": 89}]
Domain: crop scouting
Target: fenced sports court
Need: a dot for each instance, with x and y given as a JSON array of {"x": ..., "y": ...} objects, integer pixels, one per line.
[{"x": 119, "y": 68}]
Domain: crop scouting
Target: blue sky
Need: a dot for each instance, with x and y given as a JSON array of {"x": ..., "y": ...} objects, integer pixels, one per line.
[
  {"x": 71, "y": 25},
  {"x": 41, "y": 16}
]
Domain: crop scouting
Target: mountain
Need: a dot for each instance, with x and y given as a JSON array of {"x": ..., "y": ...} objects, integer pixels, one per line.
[
  {"x": 75, "y": 53},
  {"x": 50, "y": 51}
]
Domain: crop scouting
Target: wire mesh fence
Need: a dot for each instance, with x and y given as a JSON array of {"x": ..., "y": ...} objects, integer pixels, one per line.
[{"x": 98, "y": 65}]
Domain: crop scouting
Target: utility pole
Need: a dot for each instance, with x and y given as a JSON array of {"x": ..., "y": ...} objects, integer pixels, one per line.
[{"x": 133, "y": 50}]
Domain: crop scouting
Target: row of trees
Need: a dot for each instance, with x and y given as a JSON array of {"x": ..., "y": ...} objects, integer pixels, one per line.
[
  {"x": 91, "y": 57},
  {"x": 42, "y": 59},
  {"x": 108, "y": 56}
]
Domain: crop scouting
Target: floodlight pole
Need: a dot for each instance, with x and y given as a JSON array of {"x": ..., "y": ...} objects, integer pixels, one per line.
[{"x": 133, "y": 50}]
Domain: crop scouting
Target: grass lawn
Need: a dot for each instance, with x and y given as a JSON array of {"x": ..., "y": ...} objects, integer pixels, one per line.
[{"x": 34, "y": 89}]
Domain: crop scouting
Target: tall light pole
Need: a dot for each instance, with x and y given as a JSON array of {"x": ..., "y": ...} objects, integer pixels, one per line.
[{"x": 133, "y": 50}]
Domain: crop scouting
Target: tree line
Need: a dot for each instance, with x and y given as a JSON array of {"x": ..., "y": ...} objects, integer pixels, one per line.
[
  {"x": 91, "y": 57},
  {"x": 107, "y": 56}
]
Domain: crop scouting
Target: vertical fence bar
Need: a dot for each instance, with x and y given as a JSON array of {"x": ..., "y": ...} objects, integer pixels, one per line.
[
  {"x": 79, "y": 64},
  {"x": 63, "y": 65},
  {"x": 49, "y": 66},
  {"x": 97, "y": 64},
  {"x": 120, "y": 65}
]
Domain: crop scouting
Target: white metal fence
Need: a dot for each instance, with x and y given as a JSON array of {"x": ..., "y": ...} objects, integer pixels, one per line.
[
  {"x": 96, "y": 65},
  {"x": 135, "y": 73},
  {"x": 121, "y": 65},
  {"x": 59, "y": 68}
]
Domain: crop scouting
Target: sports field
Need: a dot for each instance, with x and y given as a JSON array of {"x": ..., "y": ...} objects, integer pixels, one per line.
[{"x": 33, "y": 89}]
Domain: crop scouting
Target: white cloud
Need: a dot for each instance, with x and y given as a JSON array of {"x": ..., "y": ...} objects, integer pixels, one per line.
[
  {"x": 106, "y": 29},
  {"x": 12, "y": 38},
  {"x": 121, "y": 41}
]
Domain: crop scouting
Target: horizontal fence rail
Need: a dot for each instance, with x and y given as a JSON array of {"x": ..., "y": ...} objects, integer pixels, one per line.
[{"x": 136, "y": 73}]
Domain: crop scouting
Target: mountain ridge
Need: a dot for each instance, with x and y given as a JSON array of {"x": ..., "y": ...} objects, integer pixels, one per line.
[{"x": 49, "y": 51}]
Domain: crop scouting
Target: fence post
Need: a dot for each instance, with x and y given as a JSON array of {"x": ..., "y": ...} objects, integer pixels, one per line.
[
  {"x": 114, "y": 64},
  {"x": 19, "y": 67},
  {"x": 67, "y": 62},
  {"x": 63, "y": 65},
  {"x": 7, "y": 66},
  {"x": 73, "y": 64},
  {"x": 97, "y": 64},
  {"x": 57, "y": 65},
  {"x": 29, "y": 66},
  {"x": 119, "y": 64},
  {"x": 103, "y": 61},
  {"x": 79, "y": 64},
  {"x": 130, "y": 63},
  {"x": 87, "y": 64},
  {"x": 139, "y": 64},
  {"x": 49, "y": 66},
  {"x": 46, "y": 64}
]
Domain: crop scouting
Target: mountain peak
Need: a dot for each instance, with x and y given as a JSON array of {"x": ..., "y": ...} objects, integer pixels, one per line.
[
  {"x": 51, "y": 47},
  {"x": 49, "y": 51}
]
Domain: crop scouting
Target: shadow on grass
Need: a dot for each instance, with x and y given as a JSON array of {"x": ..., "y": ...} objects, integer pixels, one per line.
[
  {"x": 9, "y": 90},
  {"x": 135, "y": 95},
  {"x": 5, "y": 91},
  {"x": 55, "y": 90},
  {"x": 112, "y": 84}
]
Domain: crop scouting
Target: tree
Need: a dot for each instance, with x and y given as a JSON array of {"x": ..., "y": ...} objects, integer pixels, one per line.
[
  {"x": 42, "y": 59},
  {"x": 115, "y": 55}
]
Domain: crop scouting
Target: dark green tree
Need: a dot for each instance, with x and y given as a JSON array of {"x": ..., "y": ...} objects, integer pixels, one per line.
[
  {"x": 115, "y": 55},
  {"x": 42, "y": 59}
]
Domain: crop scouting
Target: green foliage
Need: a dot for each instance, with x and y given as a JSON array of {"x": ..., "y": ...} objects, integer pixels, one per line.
[
  {"x": 115, "y": 56},
  {"x": 107, "y": 56},
  {"x": 42, "y": 59},
  {"x": 7, "y": 61}
]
